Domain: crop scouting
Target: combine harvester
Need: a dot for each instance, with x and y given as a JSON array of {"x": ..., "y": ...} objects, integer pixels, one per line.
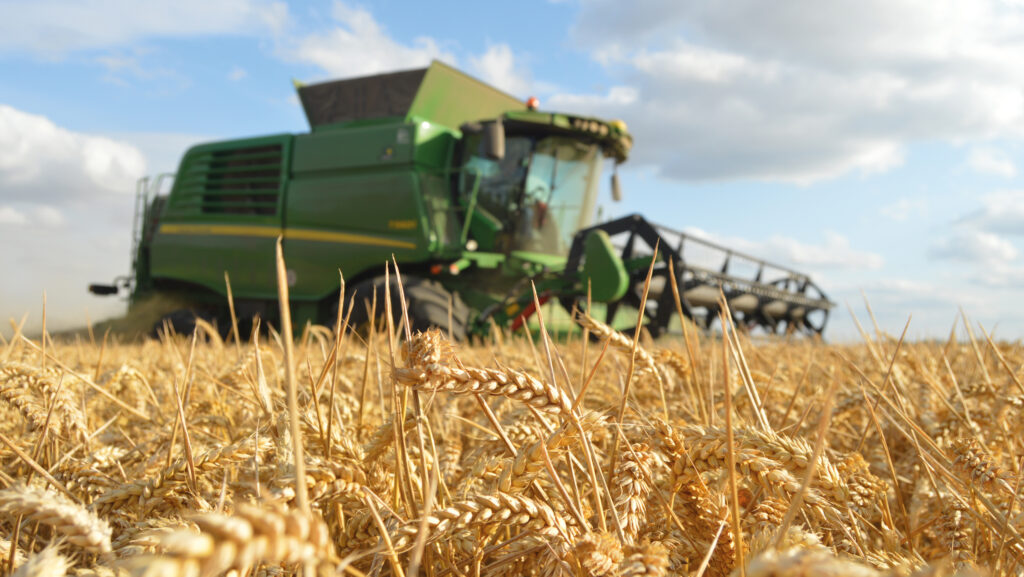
[{"x": 474, "y": 192}]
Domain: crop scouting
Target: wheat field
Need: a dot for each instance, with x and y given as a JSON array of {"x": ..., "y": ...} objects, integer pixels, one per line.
[{"x": 605, "y": 455}]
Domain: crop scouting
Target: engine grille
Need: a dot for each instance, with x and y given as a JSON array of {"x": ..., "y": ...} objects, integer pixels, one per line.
[{"x": 242, "y": 181}]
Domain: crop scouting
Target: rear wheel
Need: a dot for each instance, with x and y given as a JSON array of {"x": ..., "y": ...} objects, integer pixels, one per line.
[{"x": 429, "y": 304}]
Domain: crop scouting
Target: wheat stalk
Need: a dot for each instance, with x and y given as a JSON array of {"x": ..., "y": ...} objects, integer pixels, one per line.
[{"x": 521, "y": 484}]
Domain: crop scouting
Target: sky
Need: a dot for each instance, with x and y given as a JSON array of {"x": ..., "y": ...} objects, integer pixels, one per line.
[{"x": 875, "y": 144}]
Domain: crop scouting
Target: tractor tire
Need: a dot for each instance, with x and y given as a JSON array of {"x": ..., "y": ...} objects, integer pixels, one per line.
[
  {"x": 182, "y": 321},
  {"x": 428, "y": 305}
]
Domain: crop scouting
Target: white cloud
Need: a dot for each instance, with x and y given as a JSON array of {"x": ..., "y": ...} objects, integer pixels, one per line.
[
  {"x": 62, "y": 259},
  {"x": 979, "y": 241},
  {"x": 907, "y": 296},
  {"x": 162, "y": 150},
  {"x": 360, "y": 46},
  {"x": 30, "y": 214},
  {"x": 1001, "y": 275},
  {"x": 617, "y": 96},
  {"x": 835, "y": 252},
  {"x": 933, "y": 305},
  {"x": 54, "y": 28},
  {"x": 900, "y": 285},
  {"x": 66, "y": 213},
  {"x": 10, "y": 215},
  {"x": 712, "y": 124},
  {"x": 42, "y": 161},
  {"x": 48, "y": 216},
  {"x": 138, "y": 65},
  {"x": 802, "y": 92},
  {"x": 237, "y": 73},
  {"x": 687, "y": 62},
  {"x": 1000, "y": 212},
  {"x": 904, "y": 208},
  {"x": 991, "y": 161},
  {"x": 499, "y": 67},
  {"x": 974, "y": 246},
  {"x": 845, "y": 34}
]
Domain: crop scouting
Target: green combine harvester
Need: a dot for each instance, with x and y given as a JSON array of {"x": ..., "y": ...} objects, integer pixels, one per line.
[{"x": 474, "y": 192}]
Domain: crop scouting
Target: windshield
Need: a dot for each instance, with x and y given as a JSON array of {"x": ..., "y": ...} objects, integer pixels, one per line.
[{"x": 542, "y": 192}]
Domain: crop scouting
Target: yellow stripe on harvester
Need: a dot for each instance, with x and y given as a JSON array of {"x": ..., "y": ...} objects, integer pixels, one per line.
[
  {"x": 221, "y": 230},
  {"x": 326, "y": 236},
  {"x": 274, "y": 232}
]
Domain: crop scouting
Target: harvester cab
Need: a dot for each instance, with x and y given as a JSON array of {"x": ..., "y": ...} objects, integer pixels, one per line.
[
  {"x": 479, "y": 196},
  {"x": 541, "y": 189}
]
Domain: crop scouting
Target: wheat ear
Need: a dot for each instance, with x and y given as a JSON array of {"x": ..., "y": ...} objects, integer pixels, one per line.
[
  {"x": 79, "y": 526},
  {"x": 428, "y": 371},
  {"x": 46, "y": 563}
]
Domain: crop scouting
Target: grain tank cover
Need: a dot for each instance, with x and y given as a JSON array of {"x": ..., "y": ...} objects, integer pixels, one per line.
[{"x": 438, "y": 94}]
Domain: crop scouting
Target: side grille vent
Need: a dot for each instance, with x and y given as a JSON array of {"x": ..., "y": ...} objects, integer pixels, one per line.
[{"x": 243, "y": 181}]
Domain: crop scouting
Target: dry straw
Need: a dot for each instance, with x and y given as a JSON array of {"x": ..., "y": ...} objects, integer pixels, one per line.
[{"x": 534, "y": 457}]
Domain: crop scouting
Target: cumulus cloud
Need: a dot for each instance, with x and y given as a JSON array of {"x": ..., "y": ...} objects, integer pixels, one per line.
[
  {"x": 49, "y": 216},
  {"x": 32, "y": 215},
  {"x": 904, "y": 208},
  {"x": 835, "y": 252},
  {"x": 800, "y": 92},
  {"x": 11, "y": 215},
  {"x": 1001, "y": 212},
  {"x": 42, "y": 161},
  {"x": 908, "y": 295},
  {"x": 983, "y": 242},
  {"x": 687, "y": 62},
  {"x": 499, "y": 67},
  {"x": 61, "y": 256},
  {"x": 358, "y": 45},
  {"x": 54, "y": 28},
  {"x": 616, "y": 96},
  {"x": 974, "y": 246},
  {"x": 1001, "y": 275},
  {"x": 991, "y": 161},
  {"x": 66, "y": 209}
]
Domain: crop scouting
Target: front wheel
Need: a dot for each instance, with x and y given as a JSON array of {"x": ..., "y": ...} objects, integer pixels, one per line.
[
  {"x": 429, "y": 305},
  {"x": 181, "y": 321}
]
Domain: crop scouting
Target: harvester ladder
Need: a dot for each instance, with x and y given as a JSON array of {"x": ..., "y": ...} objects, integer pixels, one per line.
[
  {"x": 146, "y": 189},
  {"x": 139, "y": 215}
]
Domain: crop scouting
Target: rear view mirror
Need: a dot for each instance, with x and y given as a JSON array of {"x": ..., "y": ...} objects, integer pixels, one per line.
[
  {"x": 616, "y": 187},
  {"x": 494, "y": 140}
]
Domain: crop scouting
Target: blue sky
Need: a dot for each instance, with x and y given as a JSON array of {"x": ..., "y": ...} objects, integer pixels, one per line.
[{"x": 873, "y": 144}]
